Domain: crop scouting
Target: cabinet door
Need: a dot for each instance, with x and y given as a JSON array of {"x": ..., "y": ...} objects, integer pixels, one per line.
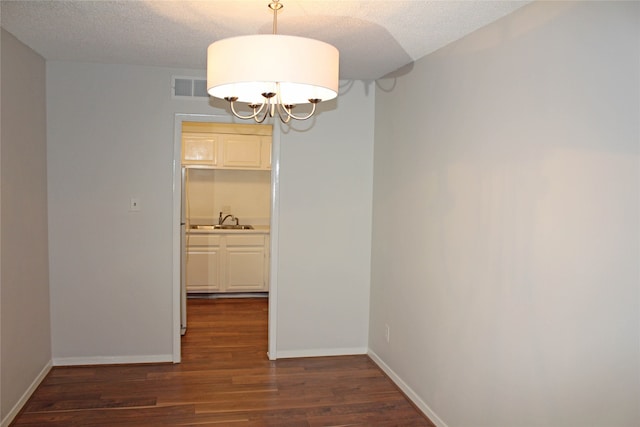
[
  {"x": 203, "y": 271},
  {"x": 200, "y": 149},
  {"x": 242, "y": 151},
  {"x": 266, "y": 152},
  {"x": 245, "y": 269}
]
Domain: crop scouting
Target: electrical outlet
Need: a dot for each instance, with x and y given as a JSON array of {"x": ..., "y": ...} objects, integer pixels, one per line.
[
  {"x": 226, "y": 210},
  {"x": 387, "y": 332}
]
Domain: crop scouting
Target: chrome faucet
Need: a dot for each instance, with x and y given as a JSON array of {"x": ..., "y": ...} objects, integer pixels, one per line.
[{"x": 221, "y": 220}]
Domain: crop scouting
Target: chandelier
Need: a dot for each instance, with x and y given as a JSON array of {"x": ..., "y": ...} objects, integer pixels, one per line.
[{"x": 272, "y": 73}]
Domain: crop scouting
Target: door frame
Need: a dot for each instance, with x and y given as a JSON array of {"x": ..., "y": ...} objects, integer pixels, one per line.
[{"x": 275, "y": 216}]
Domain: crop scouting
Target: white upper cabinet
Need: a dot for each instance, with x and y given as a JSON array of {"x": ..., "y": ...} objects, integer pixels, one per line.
[
  {"x": 200, "y": 149},
  {"x": 226, "y": 146},
  {"x": 266, "y": 152},
  {"x": 242, "y": 151}
]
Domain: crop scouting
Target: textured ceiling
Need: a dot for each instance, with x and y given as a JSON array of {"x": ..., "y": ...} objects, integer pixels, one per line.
[{"x": 373, "y": 37}]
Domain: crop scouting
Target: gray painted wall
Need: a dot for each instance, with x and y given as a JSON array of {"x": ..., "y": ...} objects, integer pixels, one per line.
[
  {"x": 511, "y": 285},
  {"x": 110, "y": 137},
  {"x": 325, "y": 230},
  {"x": 24, "y": 280}
]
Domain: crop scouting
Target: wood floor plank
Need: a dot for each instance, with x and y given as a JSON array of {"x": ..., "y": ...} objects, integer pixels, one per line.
[{"x": 225, "y": 379}]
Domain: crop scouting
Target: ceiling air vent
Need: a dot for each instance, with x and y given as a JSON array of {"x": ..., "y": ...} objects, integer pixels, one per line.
[{"x": 188, "y": 87}]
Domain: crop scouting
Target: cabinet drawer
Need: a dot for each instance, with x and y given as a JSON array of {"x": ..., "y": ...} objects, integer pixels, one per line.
[
  {"x": 245, "y": 240},
  {"x": 203, "y": 240}
]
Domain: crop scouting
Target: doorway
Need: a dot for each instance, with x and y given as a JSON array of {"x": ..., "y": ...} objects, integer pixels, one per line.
[{"x": 177, "y": 232}]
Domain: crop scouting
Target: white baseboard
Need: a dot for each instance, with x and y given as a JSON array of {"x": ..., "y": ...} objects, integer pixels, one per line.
[
  {"x": 112, "y": 360},
  {"x": 319, "y": 352},
  {"x": 26, "y": 395},
  {"x": 412, "y": 395}
]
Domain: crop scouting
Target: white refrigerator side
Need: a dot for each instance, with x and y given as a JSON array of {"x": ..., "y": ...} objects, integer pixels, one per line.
[{"x": 183, "y": 258}]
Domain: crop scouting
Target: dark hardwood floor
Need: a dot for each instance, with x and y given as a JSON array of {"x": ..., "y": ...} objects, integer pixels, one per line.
[{"x": 225, "y": 379}]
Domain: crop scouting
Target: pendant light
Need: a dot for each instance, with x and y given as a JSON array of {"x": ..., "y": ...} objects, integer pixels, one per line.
[{"x": 272, "y": 73}]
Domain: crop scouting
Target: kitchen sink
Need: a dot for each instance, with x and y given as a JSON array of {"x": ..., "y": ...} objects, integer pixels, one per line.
[{"x": 222, "y": 227}]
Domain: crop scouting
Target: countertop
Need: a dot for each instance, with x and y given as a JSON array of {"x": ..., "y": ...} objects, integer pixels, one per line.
[{"x": 257, "y": 229}]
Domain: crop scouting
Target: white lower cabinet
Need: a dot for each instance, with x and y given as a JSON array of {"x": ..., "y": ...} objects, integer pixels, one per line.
[
  {"x": 228, "y": 263},
  {"x": 245, "y": 262},
  {"x": 203, "y": 263}
]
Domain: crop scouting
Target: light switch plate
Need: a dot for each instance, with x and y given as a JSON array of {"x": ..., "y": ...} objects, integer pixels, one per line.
[
  {"x": 134, "y": 204},
  {"x": 226, "y": 210}
]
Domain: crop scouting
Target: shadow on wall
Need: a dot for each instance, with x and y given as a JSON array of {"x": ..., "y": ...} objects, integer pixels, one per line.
[
  {"x": 359, "y": 49},
  {"x": 485, "y": 39},
  {"x": 363, "y": 45}
]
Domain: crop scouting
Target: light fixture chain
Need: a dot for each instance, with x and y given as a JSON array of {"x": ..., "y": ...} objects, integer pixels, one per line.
[{"x": 275, "y": 5}]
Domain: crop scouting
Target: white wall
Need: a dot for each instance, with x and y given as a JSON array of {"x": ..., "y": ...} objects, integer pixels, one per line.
[
  {"x": 110, "y": 137},
  {"x": 511, "y": 284},
  {"x": 246, "y": 192},
  {"x": 24, "y": 284},
  {"x": 325, "y": 229}
]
